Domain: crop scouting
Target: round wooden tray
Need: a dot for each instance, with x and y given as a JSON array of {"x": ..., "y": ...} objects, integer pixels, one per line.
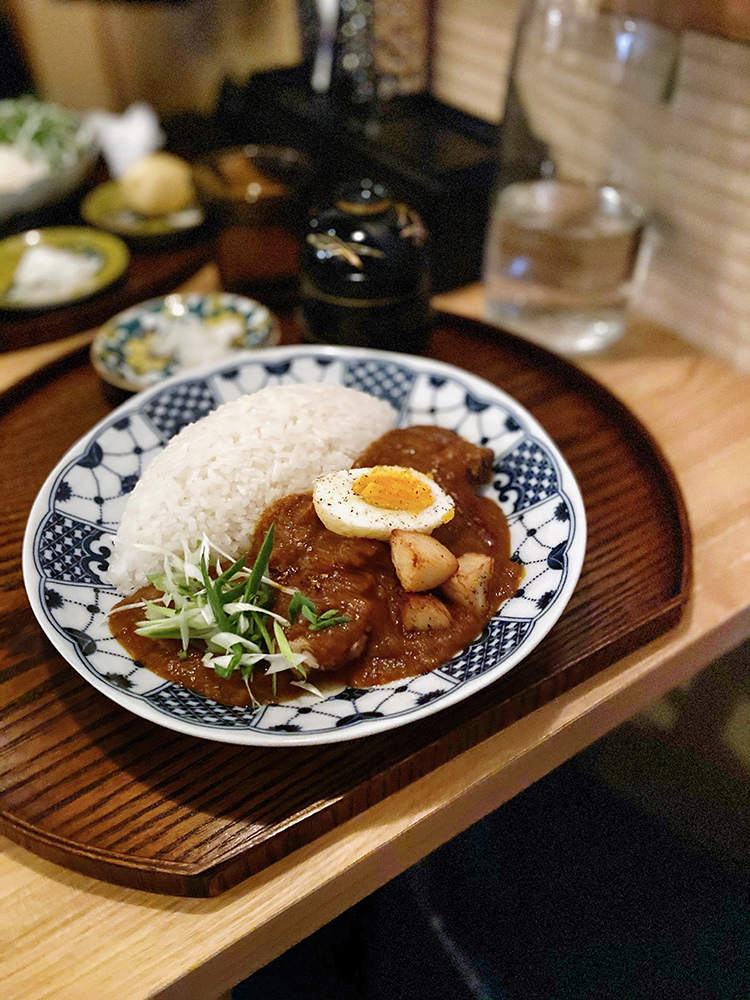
[{"x": 91, "y": 787}]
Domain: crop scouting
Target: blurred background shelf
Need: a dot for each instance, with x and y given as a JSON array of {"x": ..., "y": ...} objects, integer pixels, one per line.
[{"x": 180, "y": 56}]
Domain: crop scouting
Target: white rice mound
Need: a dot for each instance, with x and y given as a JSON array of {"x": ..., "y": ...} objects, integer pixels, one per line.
[{"x": 218, "y": 474}]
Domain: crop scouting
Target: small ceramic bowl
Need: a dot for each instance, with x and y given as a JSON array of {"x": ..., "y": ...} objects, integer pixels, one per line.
[
  {"x": 253, "y": 184},
  {"x": 149, "y": 342}
]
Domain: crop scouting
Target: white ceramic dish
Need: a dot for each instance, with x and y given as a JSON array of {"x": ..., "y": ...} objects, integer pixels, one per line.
[{"x": 79, "y": 507}]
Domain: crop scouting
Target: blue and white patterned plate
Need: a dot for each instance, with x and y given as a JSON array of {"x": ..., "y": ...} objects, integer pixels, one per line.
[
  {"x": 68, "y": 540},
  {"x": 150, "y": 342}
]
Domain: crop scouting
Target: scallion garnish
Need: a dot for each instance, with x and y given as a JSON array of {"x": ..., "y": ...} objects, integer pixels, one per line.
[
  {"x": 230, "y": 611},
  {"x": 300, "y": 603}
]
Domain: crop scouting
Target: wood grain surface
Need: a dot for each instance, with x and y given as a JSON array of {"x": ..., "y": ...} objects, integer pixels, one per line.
[
  {"x": 162, "y": 946},
  {"x": 89, "y": 786}
]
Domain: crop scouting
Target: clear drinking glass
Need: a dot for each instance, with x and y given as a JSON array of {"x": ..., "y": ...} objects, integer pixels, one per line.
[{"x": 569, "y": 233}]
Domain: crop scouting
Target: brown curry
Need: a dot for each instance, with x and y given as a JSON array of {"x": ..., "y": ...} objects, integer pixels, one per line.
[{"x": 356, "y": 576}]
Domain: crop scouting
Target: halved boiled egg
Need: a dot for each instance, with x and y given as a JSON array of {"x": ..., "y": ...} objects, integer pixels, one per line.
[{"x": 371, "y": 503}]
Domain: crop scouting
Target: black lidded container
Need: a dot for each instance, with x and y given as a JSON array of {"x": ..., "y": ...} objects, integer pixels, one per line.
[{"x": 364, "y": 273}]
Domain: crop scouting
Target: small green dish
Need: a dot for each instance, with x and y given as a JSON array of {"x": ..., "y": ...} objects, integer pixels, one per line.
[
  {"x": 105, "y": 208},
  {"x": 152, "y": 341},
  {"x": 102, "y": 259}
]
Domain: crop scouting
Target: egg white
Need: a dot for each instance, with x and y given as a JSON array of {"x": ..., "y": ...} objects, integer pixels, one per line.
[{"x": 344, "y": 513}]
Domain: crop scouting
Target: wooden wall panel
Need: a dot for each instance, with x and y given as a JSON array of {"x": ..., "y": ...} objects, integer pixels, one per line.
[
  {"x": 725, "y": 18},
  {"x": 471, "y": 54},
  {"x": 700, "y": 280},
  {"x": 91, "y": 54},
  {"x": 63, "y": 51}
]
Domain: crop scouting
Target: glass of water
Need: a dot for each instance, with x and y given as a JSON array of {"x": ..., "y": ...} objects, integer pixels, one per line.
[
  {"x": 560, "y": 262},
  {"x": 570, "y": 229}
]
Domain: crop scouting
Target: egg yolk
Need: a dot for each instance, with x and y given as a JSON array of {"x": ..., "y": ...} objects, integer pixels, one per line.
[{"x": 393, "y": 489}]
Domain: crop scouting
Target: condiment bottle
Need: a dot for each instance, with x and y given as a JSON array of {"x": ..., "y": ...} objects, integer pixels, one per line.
[{"x": 364, "y": 272}]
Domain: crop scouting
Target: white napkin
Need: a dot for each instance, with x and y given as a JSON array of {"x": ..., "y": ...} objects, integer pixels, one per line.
[{"x": 127, "y": 137}]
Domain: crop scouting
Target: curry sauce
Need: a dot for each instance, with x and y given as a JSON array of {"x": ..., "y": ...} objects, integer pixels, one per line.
[{"x": 357, "y": 577}]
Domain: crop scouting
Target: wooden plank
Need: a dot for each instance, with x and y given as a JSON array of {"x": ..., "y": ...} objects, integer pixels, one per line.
[{"x": 183, "y": 948}]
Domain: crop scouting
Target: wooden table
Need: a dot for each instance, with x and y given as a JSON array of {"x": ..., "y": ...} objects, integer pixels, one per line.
[{"x": 67, "y": 936}]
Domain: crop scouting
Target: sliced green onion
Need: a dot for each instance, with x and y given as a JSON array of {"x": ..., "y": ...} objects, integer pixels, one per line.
[
  {"x": 284, "y": 647},
  {"x": 260, "y": 566},
  {"x": 230, "y": 611}
]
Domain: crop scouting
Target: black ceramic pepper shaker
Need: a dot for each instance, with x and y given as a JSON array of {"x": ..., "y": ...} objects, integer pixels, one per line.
[{"x": 364, "y": 272}]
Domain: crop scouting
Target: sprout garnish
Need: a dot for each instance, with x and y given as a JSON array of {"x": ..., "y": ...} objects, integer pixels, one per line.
[{"x": 230, "y": 610}]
